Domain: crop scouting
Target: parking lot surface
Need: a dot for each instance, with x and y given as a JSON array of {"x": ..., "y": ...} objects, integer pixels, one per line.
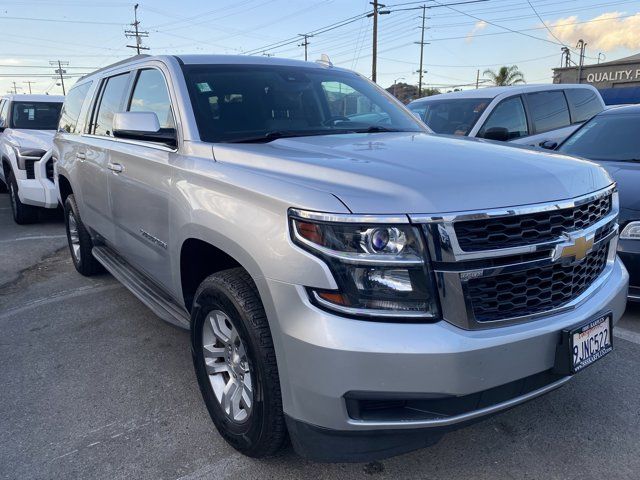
[{"x": 94, "y": 385}]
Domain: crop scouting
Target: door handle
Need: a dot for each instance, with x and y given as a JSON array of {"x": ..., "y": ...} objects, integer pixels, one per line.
[
  {"x": 81, "y": 156},
  {"x": 115, "y": 167}
]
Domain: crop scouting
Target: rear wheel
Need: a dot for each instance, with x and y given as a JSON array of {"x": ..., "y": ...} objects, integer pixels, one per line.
[
  {"x": 235, "y": 363},
  {"x": 22, "y": 214},
  {"x": 80, "y": 243}
]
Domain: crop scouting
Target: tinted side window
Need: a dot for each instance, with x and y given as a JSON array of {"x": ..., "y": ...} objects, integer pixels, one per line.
[
  {"x": 549, "y": 110},
  {"x": 508, "y": 114},
  {"x": 584, "y": 102},
  {"x": 4, "y": 112},
  {"x": 150, "y": 95},
  {"x": 110, "y": 103},
  {"x": 72, "y": 107}
]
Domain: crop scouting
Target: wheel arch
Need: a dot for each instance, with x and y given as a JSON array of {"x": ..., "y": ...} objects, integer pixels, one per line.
[
  {"x": 199, "y": 259},
  {"x": 64, "y": 188}
]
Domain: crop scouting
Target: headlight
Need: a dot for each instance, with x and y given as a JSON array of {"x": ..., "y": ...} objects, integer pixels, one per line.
[
  {"x": 23, "y": 155},
  {"x": 379, "y": 268},
  {"x": 631, "y": 231}
]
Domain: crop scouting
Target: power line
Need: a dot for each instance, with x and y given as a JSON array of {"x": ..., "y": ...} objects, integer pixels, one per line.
[{"x": 136, "y": 33}]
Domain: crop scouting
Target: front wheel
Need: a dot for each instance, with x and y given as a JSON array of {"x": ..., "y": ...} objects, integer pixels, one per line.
[
  {"x": 22, "y": 214},
  {"x": 235, "y": 363}
]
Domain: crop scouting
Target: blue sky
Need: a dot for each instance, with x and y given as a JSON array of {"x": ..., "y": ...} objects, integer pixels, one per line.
[{"x": 463, "y": 38}]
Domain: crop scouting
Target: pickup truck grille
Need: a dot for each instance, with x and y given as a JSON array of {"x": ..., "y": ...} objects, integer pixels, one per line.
[
  {"x": 513, "y": 231},
  {"x": 502, "y": 267},
  {"x": 49, "y": 169},
  {"x": 535, "y": 290}
]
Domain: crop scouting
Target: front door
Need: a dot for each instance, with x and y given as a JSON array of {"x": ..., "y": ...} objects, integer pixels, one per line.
[{"x": 140, "y": 184}]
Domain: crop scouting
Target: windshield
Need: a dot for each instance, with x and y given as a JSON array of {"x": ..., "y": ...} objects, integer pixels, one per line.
[
  {"x": 237, "y": 103},
  {"x": 451, "y": 117},
  {"x": 35, "y": 115},
  {"x": 606, "y": 138}
]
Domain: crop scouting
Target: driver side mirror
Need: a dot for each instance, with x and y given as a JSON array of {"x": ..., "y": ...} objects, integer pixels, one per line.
[
  {"x": 142, "y": 126},
  {"x": 548, "y": 145},
  {"x": 497, "y": 133}
]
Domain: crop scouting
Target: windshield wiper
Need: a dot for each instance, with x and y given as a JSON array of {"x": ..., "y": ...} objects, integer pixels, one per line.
[
  {"x": 374, "y": 129},
  {"x": 268, "y": 136}
]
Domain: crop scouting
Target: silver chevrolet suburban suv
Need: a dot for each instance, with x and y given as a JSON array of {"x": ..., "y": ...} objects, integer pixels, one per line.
[{"x": 349, "y": 280}]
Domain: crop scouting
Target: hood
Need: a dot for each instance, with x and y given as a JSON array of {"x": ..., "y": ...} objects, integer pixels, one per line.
[
  {"x": 393, "y": 173},
  {"x": 627, "y": 176},
  {"x": 42, "y": 139}
]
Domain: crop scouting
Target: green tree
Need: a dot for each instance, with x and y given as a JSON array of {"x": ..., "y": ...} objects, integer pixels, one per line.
[{"x": 505, "y": 76}]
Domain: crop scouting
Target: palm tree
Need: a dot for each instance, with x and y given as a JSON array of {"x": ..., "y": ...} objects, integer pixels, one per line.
[{"x": 505, "y": 76}]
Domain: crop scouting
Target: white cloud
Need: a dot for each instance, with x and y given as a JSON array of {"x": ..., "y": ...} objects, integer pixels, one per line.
[
  {"x": 479, "y": 26},
  {"x": 605, "y": 32},
  {"x": 10, "y": 61}
]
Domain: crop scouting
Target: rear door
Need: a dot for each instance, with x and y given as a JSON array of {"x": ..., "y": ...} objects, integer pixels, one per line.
[
  {"x": 549, "y": 115},
  {"x": 140, "y": 190},
  {"x": 94, "y": 157}
]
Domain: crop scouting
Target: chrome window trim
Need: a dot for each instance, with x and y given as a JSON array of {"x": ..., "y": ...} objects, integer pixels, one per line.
[
  {"x": 510, "y": 211},
  {"x": 348, "y": 217},
  {"x": 132, "y": 142},
  {"x": 369, "y": 312}
]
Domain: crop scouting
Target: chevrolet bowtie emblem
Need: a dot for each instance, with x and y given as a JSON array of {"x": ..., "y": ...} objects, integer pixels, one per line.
[{"x": 575, "y": 247}]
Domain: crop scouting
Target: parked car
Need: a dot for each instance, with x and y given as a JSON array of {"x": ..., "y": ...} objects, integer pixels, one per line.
[
  {"x": 360, "y": 287},
  {"x": 27, "y": 125},
  {"x": 612, "y": 139},
  {"x": 523, "y": 114}
]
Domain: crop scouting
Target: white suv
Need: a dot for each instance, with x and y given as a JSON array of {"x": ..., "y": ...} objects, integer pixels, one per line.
[
  {"x": 521, "y": 114},
  {"x": 27, "y": 126}
]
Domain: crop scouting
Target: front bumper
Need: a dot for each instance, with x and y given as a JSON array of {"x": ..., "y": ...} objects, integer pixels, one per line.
[
  {"x": 39, "y": 191},
  {"x": 629, "y": 252},
  {"x": 323, "y": 357}
]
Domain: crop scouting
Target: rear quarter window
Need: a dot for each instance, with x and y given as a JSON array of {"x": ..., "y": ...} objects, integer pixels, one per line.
[
  {"x": 72, "y": 107},
  {"x": 584, "y": 104},
  {"x": 549, "y": 110}
]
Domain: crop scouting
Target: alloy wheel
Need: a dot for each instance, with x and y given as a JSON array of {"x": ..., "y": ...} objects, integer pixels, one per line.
[
  {"x": 74, "y": 236},
  {"x": 227, "y": 366}
]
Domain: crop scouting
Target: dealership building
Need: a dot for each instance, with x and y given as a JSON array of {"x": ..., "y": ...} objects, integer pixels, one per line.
[{"x": 618, "y": 81}]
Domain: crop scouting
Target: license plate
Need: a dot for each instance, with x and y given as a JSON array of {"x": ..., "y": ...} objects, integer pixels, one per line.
[{"x": 590, "y": 342}]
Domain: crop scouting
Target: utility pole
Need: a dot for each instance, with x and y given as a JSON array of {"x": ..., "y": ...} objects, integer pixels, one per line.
[
  {"x": 29, "y": 82},
  {"x": 376, "y": 11},
  {"x": 15, "y": 88},
  {"x": 566, "y": 57},
  {"x": 478, "y": 79},
  {"x": 60, "y": 73},
  {"x": 582, "y": 46},
  {"x": 136, "y": 32},
  {"x": 305, "y": 43},
  {"x": 422, "y": 44}
]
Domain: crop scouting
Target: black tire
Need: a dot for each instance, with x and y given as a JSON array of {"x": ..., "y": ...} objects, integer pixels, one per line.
[
  {"x": 83, "y": 260},
  {"x": 22, "y": 214},
  {"x": 233, "y": 292}
]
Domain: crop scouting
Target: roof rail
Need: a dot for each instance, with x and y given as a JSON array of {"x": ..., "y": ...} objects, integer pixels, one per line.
[{"x": 121, "y": 62}]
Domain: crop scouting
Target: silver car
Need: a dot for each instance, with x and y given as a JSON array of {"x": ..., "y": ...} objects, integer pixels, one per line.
[{"x": 349, "y": 280}]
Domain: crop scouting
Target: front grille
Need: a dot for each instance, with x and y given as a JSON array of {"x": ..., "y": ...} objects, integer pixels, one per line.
[
  {"x": 29, "y": 166},
  {"x": 533, "y": 291},
  {"x": 49, "y": 169},
  {"x": 527, "y": 229}
]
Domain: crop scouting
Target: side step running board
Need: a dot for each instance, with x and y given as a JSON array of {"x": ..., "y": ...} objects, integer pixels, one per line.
[{"x": 148, "y": 293}]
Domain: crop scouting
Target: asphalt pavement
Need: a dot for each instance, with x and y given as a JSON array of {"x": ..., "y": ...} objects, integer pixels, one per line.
[{"x": 94, "y": 385}]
